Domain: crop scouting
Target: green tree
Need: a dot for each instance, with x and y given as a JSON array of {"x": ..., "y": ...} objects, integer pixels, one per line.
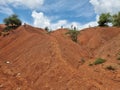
[
  {"x": 73, "y": 34},
  {"x": 104, "y": 19},
  {"x": 116, "y": 19},
  {"x": 47, "y": 29},
  {"x": 12, "y": 22}
]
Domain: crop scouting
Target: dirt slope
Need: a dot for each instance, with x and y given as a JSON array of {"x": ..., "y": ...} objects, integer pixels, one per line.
[
  {"x": 110, "y": 51},
  {"x": 91, "y": 42},
  {"x": 93, "y": 38},
  {"x": 71, "y": 51},
  {"x": 32, "y": 59},
  {"x": 36, "y": 57},
  {"x": 2, "y": 26}
]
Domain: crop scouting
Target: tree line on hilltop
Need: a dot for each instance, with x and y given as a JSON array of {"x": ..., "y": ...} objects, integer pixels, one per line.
[
  {"x": 12, "y": 22},
  {"x": 105, "y": 19}
]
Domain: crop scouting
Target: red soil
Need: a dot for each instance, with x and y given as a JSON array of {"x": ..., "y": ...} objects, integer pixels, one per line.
[
  {"x": 32, "y": 59},
  {"x": 2, "y": 26}
]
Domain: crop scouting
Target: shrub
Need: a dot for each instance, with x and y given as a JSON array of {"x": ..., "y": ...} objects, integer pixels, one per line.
[
  {"x": 99, "y": 61},
  {"x": 73, "y": 34},
  {"x": 90, "y": 64},
  {"x": 47, "y": 29},
  {"x": 110, "y": 67}
]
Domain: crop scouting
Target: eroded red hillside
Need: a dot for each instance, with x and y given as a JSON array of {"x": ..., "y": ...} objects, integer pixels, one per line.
[{"x": 32, "y": 59}]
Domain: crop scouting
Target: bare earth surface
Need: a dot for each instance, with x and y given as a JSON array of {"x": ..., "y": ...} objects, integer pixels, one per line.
[{"x": 32, "y": 59}]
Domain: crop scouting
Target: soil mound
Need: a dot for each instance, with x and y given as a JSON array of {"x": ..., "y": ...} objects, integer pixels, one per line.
[{"x": 32, "y": 59}]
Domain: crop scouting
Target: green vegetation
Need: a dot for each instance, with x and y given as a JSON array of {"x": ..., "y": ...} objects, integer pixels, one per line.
[
  {"x": 104, "y": 19},
  {"x": 73, "y": 34},
  {"x": 47, "y": 29},
  {"x": 12, "y": 22},
  {"x": 116, "y": 19},
  {"x": 99, "y": 61},
  {"x": 110, "y": 67}
]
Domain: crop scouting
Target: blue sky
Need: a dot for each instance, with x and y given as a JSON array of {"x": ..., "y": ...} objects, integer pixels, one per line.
[{"x": 57, "y": 13}]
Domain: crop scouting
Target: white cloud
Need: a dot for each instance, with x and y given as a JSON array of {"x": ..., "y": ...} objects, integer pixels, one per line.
[
  {"x": 6, "y": 10},
  {"x": 58, "y": 24},
  {"x": 59, "y": 7},
  {"x": 40, "y": 20},
  {"x": 90, "y": 24},
  {"x": 31, "y": 4},
  {"x": 104, "y": 6}
]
